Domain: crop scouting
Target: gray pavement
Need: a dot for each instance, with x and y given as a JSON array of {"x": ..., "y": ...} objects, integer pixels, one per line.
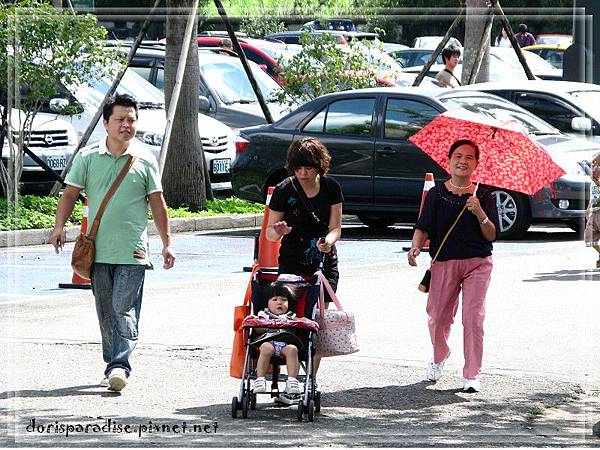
[{"x": 540, "y": 377}]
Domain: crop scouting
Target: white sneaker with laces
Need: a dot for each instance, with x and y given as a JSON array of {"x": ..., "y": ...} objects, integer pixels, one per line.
[
  {"x": 435, "y": 371},
  {"x": 292, "y": 386},
  {"x": 471, "y": 386},
  {"x": 260, "y": 385},
  {"x": 104, "y": 382},
  {"x": 117, "y": 379}
]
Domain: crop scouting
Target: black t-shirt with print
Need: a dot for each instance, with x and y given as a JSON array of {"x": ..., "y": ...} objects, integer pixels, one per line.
[{"x": 299, "y": 247}]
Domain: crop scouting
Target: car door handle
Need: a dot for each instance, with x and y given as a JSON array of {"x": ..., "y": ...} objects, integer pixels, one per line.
[{"x": 385, "y": 151}]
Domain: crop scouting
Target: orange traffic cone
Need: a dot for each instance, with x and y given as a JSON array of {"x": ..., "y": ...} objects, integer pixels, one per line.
[
  {"x": 268, "y": 252},
  {"x": 429, "y": 183},
  {"x": 76, "y": 281}
]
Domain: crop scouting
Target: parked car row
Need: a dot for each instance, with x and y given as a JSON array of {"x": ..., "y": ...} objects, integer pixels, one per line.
[{"x": 381, "y": 172}]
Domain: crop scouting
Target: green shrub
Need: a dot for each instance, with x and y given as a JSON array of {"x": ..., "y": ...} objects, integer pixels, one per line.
[{"x": 38, "y": 212}]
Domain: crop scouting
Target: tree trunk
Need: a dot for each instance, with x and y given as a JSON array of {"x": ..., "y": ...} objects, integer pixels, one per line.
[
  {"x": 183, "y": 175},
  {"x": 475, "y": 25}
]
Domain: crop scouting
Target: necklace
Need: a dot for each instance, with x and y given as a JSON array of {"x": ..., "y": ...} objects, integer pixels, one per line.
[{"x": 458, "y": 187}]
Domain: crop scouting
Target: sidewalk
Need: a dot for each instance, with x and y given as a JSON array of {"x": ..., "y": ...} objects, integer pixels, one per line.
[{"x": 181, "y": 376}]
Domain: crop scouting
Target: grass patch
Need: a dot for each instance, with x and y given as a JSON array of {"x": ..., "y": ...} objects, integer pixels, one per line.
[
  {"x": 38, "y": 212},
  {"x": 535, "y": 411}
]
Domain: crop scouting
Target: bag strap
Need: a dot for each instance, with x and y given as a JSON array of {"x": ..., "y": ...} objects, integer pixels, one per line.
[
  {"x": 452, "y": 227},
  {"x": 324, "y": 284},
  {"x": 453, "y": 76},
  {"x": 307, "y": 204},
  {"x": 248, "y": 295},
  {"x": 109, "y": 194}
]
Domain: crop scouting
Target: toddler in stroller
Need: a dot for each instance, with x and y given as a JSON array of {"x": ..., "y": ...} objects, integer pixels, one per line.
[
  {"x": 281, "y": 342},
  {"x": 280, "y": 332}
]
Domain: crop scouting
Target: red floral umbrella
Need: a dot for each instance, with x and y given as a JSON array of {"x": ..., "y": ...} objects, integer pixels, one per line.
[{"x": 508, "y": 157}]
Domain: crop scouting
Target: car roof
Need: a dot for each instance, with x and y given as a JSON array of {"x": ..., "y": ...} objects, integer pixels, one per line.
[
  {"x": 546, "y": 46},
  {"x": 534, "y": 85},
  {"x": 427, "y": 91}
]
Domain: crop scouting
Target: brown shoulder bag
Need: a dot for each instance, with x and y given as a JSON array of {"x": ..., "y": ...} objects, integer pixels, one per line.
[{"x": 84, "y": 251}]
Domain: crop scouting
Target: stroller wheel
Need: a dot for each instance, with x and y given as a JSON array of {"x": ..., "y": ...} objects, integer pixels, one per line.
[
  {"x": 300, "y": 410},
  {"x": 252, "y": 401},
  {"x": 311, "y": 411},
  {"x": 245, "y": 404},
  {"x": 317, "y": 401},
  {"x": 234, "y": 407}
]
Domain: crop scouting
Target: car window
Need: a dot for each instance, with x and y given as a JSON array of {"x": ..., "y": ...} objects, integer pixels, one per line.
[
  {"x": 403, "y": 118},
  {"x": 552, "y": 111},
  {"x": 144, "y": 72},
  {"x": 231, "y": 83},
  {"x": 160, "y": 79},
  {"x": 499, "y": 109},
  {"x": 347, "y": 117},
  {"x": 317, "y": 123}
]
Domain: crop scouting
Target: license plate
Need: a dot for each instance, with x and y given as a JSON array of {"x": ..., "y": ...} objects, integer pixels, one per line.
[
  {"x": 56, "y": 162},
  {"x": 220, "y": 166}
]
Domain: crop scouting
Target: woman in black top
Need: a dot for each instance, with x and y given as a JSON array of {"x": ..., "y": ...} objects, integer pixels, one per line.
[
  {"x": 306, "y": 213},
  {"x": 464, "y": 263},
  {"x": 306, "y": 236}
]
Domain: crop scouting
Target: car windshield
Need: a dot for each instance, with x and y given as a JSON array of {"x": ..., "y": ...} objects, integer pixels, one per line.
[
  {"x": 133, "y": 84},
  {"x": 282, "y": 53},
  {"x": 229, "y": 80},
  {"x": 535, "y": 62},
  {"x": 589, "y": 101},
  {"x": 499, "y": 109}
]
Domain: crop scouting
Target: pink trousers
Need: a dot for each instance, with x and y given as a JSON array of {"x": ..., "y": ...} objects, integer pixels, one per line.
[{"x": 447, "y": 279}]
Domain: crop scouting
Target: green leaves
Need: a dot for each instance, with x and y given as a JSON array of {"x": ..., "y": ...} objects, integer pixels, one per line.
[
  {"x": 325, "y": 66},
  {"x": 40, "y": 46}
]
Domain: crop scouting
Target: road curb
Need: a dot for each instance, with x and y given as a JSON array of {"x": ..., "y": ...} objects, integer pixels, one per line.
[{"x": 178, "y": 225}]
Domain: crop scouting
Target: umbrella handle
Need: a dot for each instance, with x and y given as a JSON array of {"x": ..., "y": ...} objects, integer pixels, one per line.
[{"x": 476, "y": 187}]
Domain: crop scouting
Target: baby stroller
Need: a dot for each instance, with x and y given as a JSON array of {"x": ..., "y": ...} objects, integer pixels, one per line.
[{"x": 309, "y": 401}]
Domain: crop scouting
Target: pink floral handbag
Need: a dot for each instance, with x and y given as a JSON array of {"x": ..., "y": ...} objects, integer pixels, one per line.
[{"x": 337, "y": 330}]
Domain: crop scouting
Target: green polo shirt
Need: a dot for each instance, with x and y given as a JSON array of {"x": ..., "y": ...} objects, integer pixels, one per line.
[{"x": 123, "y": 233}]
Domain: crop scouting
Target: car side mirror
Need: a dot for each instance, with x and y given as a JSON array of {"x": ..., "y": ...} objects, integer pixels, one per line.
[
  {"x": 203, "y": 103},
  {"x": 581, "y": 124},
  {"x": 58, "y": 104}
]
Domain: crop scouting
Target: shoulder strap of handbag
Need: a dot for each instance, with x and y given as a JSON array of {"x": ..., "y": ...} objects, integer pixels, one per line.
[
  {"x": 453, "y": 76},
  {"x": 324, "y": 284},
  {"x": 109, "y": 194},
  {"x": 452, "y": 227},
  {"x": 307, "y": 204}
]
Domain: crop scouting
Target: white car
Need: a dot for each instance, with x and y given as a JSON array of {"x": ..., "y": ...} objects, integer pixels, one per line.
[
  {"x": 53, "y": 141},
  {"x": 217, "y": 138}
]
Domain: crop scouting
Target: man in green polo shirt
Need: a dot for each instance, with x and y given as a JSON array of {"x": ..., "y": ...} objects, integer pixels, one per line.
[{"x": 122, "y": 240}]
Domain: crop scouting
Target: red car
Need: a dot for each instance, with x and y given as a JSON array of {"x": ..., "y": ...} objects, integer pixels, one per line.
[{"x": 260, "y": 51}]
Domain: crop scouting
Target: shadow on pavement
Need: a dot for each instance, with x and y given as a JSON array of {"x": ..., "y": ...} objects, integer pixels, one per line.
[
  {"x": 87, "y": 389},
  {"x": 566, "y": 275}
]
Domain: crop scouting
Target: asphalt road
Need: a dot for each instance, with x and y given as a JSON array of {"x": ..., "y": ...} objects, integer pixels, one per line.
[{"x": 540, "y": 377}]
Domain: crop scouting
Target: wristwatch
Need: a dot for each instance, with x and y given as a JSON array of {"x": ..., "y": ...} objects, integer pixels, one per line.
[{"x": 484, "y": 221}]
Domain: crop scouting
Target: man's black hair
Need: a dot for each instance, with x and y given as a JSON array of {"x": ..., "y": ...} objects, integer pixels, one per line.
[
  {"x": 450, "y": 51},
  {"x": 522, "y": 28},
  {"x": 124, "y": 100}
]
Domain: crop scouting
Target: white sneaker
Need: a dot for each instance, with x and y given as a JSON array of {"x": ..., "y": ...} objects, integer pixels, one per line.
[
  {"x": 435, "y": 371},
  {"x": 292, "y": 386},
  {"x": 260, "y": 385},
  {"x": 471, "y": 386},
  {"x": 286, "y": 399},
  {"x": 104, "y": 382},
  {"x": 117, "y": 379}
]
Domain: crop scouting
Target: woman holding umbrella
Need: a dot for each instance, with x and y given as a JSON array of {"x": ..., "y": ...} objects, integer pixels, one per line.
[{"x": 464, "y": 262}]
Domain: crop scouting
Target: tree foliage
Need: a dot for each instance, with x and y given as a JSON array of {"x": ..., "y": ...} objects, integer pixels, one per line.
[
  {"x": 323, "y": 66},
  {"x": 40, "y": 47},
  {"x": 259, "y": 26}
]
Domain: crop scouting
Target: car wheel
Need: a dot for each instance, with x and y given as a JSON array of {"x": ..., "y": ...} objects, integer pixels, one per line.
[
  {"x": 377, "y": 222},
  {"x": 514, "y": 214}
]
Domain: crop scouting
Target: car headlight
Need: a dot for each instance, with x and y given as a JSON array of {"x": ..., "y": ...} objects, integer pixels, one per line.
[{"x": 149, "y": 137}]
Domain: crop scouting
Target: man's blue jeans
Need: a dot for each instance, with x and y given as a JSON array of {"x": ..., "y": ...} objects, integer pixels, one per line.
[{"x": 118, "y": 290}]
